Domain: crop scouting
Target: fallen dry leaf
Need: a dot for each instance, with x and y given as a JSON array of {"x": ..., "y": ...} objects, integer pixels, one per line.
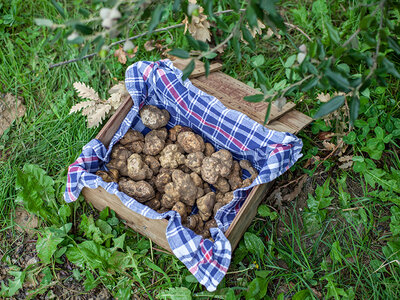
[
  {"x": 293, "y": 195},
  {"x": 149, "y": 45},
  {"x": 258, "y": 30},
  {"x": 323, "y": 97},
  {"x": 121, "y": 54},
  {"x": 328, "y": 146},
  {"x": 199, "y": 27},
  {"x": 10, "y": 109},
  {"x": 325, "y": 135},
  {"x": 347, "y": 161},
  {"x": 26, "y": 222}
]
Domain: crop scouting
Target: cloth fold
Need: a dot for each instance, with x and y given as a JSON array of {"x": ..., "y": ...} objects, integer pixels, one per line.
[{"x": 271, "y": 153}]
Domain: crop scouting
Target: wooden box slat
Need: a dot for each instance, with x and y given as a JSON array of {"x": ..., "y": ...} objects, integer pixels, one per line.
[{"x": 230, "y": 92}]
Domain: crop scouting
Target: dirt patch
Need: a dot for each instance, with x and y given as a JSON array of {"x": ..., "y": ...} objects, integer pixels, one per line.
[
  {"x": 10, "y": 109},
  {"x": 61, "y": 284}
]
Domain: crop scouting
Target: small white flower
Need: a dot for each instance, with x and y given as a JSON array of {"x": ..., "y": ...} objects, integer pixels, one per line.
[
  {"x": 128, "y": 46},
  {"x": 72, "y": 36},
  {"x": 105, "y": 13},
  {"x": 115, "y": 14}
]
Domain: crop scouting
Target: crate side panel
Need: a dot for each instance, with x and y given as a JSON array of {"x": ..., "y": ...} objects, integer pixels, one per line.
[
  {"x": 107, "y": 132},
  {"x": 153, "y": 229},
  {"x": 231, "y": 91},
  {"x": 246, "y": 213}
]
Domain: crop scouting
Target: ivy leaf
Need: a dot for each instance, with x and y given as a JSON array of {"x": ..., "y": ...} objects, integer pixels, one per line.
[
  {"x": 254, "y": 244},
  {"x": 330, "y": 106}
]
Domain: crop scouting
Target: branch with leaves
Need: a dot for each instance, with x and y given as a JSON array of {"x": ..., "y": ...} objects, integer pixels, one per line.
[{"x": 324, "y": 63}]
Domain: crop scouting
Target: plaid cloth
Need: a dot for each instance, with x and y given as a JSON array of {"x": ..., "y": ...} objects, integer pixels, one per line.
[{"x": 271, "y": 153}]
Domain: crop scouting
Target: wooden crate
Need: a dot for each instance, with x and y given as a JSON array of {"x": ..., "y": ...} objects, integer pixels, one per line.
[{"x": 230, "y": 92}]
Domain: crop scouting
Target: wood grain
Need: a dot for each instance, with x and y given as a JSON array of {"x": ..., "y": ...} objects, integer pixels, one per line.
[
  {"x": 107, "y": 132},
  {"x": 153, "y": 229},
  {"x": 231, "y": 91},
  {"x": 199, "y": 69},
  {"x": 246, "y": 213}
]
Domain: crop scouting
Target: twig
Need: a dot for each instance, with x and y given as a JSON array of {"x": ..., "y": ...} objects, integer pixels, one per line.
[
  {"x": 388, "y": 263},
  {"x": 115, "y": 43},
  {"x": 352, "y": 208},
  {"x": 299, "y": 30}
]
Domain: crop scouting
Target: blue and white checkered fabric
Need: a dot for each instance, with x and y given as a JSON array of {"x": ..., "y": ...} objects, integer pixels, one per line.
[{"x": 271, "y": 153}]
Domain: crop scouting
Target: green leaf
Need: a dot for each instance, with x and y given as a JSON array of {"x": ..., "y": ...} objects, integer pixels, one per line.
[
  {"x": 179, "y": 53},
  {"x": 207, "y": 67},
  {"x": 302, "y": 295},
  {"x": 236, "y": 48},
  {"x": 84, "y": 29},
  {"x": 36, "y": 192},
  {"x": 192, "y": 42},
  {"x": 365, "y": 22},
  {"x": 333, "y": 33},
  {"x": 254, "y": 244},
  {"x": 210, "y": 55},
  {"x": 330, "y": 106},
  {"x": 176, "y": 293},
  {"x": 389, "y": 67},
  {"x": 89, "y": 283},
  {"x": 335, "y": 253},
  {"x": 47, "y": 243},
  {"x": 84, "y": 50},
  {"x": 119, "y": 242},
  {"x": 248, "y": 37},
  {"x": 257, "y": 288},
  {"x": 290, "y": 61},
  {"x": 58, "y": 8},
  {"x": 354, "y": 109},
  {"x": 99, "y": 42},
  {"x": 88, "y": 254},
  {"x": 188, "y": 70},
  {"x": 310, "y": 84},
  {"x": 337, "y": 80},
  {"x": 251, "y": 16},
  {"x": 15, "y": 285},
  {"x": 254, "y": 98},
  {"x": 394, "y": 45},
  {"x": 221, "y": 24},
  {"x": 258, "y": 61},
  {"x": 156, "y": 17},
  {"x": 43, "y": 22}
]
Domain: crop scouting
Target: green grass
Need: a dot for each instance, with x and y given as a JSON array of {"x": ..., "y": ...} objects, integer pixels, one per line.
[{"x": 344, "y": 255}]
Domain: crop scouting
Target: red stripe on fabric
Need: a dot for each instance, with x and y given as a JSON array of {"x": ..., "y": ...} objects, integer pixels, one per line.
[
  {"x": 178, "y": 98},
  {"x": 281, "y": 149},
  {"x": 207, "y": 259},
  {"x": 147, "y": 71}
]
